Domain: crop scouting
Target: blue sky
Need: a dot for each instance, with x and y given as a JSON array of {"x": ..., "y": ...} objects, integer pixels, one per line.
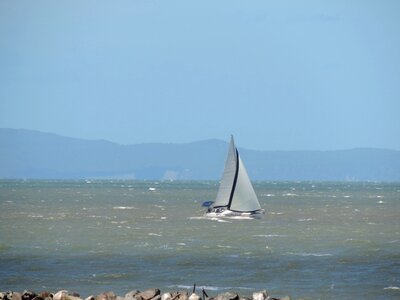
[{"x": 279, "y": 75}]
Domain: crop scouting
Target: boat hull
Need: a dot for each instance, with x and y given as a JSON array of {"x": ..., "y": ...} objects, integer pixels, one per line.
[{"x": 229, "y": 214}]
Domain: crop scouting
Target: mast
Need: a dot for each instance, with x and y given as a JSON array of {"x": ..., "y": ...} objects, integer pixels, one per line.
[
  {"x": 225, "y": 191},
  {"x": 235, "y": 178}
]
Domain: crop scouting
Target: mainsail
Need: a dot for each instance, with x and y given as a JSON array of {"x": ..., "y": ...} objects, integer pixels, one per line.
[{"x": 236, "y": 192}]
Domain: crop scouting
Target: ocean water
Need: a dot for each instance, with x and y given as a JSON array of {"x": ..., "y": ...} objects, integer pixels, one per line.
[{"x": 317, "y": 240}]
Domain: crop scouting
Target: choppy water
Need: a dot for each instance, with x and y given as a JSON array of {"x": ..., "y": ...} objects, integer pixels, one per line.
[{"x": 317, "y": 240}]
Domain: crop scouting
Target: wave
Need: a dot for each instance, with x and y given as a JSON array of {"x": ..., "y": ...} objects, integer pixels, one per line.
[
  {"x": 305, "y": 254},
  {"x": 392, "y": 288},
  {"x": 124, "y": 207},
  {"x": 209, "y": 287},
  {"x": 154, "y": 234},
  {"x": 269, "y": 235},
  {"x": 208, "y": 218}
]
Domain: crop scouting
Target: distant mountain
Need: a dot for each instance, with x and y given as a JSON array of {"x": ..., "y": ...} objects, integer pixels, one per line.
[{"x": 37, "y": 155}]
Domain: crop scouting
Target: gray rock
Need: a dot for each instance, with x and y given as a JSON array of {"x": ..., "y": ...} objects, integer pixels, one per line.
[
  {"x": 194, "y": 296},
  {"x": 28, "y": 295},
  {"x": 227, "y": 296},
  {"x": 16, "y": 296},
  {"x": 71, "y": 297},
  {"x": 91, "y": 297},
  {"x": 60, "y": 295},
  {"x": 6, "y": 295},
  {"x": 106, "y": 296},
  {"x": 166, "y": 296},
  {"x": 132, "y": 293},
  {"x": 181, "y": 295},
  {"x": 45, "y": 294},
  {"x": 261, "y": 295},
  {"x": 149, "y": 294}
]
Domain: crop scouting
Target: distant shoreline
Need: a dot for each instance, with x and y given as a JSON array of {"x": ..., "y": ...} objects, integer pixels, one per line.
[{"x": 38, "y": 155}]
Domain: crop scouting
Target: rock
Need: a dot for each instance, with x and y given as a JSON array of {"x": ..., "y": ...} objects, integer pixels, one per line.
[
  {"x": 28, "y": 295},
  {"x": 286, "y": 298},
  {"x": 71, "y": 297},
  {"x": 166, "y": 296},
  {"x": 6, "y": 296},
  {"x": 227, "y": 296},
  {"x": 131, "y": 295},
  {"x": 262, "y": 295},
  {"x": 181, "y": 295},
  {"x": 45, "y": 294},
  {"x": 149, "y": 294},
  {"x": 91, "y": 297},
  {"x": 16, "y": 296},
  {"x": 38, "y": 298},
  {"x": 106, "y": 296},
  {"x": 194, "y": 297},
  {"x": 60, "y": 295}
]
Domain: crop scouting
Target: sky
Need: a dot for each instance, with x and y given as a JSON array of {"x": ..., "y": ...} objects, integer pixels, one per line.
[{"x": 277, "y": 74}]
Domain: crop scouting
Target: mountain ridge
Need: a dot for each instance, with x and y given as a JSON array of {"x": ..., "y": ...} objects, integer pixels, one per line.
[{"x": 39, "y": 155}]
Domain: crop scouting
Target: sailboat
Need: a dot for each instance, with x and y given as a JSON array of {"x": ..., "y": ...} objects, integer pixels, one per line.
[{"x": 236, "y": 197}]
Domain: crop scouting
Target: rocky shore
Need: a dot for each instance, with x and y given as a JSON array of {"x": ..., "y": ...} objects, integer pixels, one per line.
[{"x": 151, "y": 294}]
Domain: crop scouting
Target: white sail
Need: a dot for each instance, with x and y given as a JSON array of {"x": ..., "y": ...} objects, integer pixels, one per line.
[
  {"x": 244, "y": 198},
  {"x": 236, "y": 192},
  {"x": 228, "y": 177}
]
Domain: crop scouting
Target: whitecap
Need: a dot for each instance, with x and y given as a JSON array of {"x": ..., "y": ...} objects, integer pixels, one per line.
[
  {"x": 393, "y": 242},
  {"x": 35, "y": 216},
  {"x": 304, "y": 220},
  {"x": 208, "y": 218},
  {"x": 392, "y": 288},
  {"x": 223, "y": 246},
  {"x": 154, "y": 234},
  {"x": 381, "y": 202},
  {"x": 198, "y": 218},
  {"x": 289, "y": 194},
  {"x": 152, "y": 189},
  {"x": 220, "y": 220},
  {"x": 124, "y": 207},
  {"x": 119, "y": 222}
]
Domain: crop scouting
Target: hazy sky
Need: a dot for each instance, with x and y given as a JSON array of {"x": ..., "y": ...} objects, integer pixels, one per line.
[{"x": 281, "y": 75}]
